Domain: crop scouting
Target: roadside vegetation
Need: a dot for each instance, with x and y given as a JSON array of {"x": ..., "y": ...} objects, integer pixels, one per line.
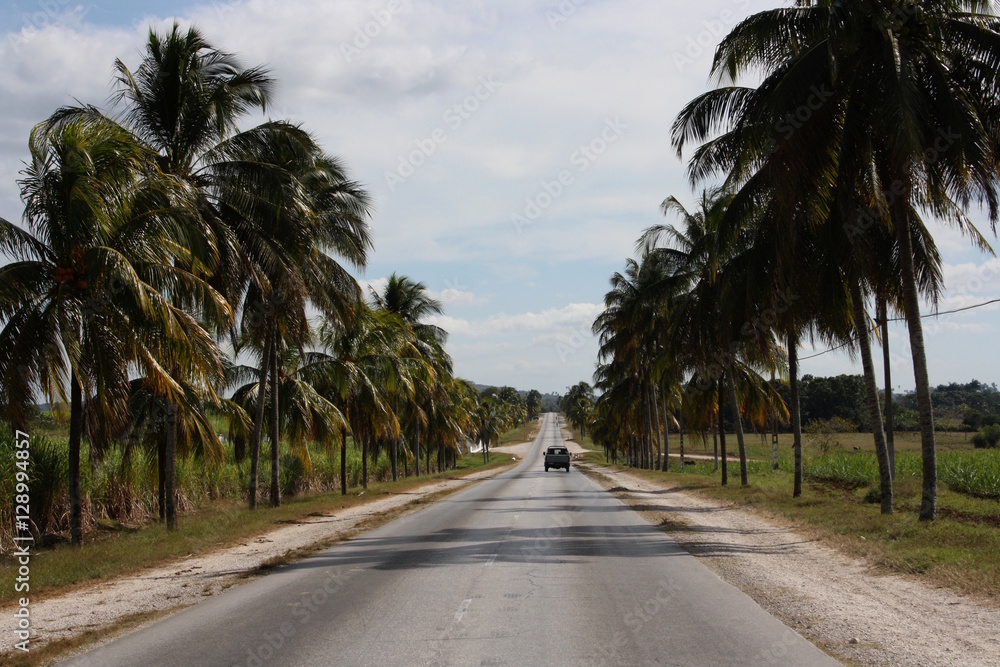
[
  {"x": 179, "y": 294},
  {"x": 820, "y": 185},
  {"x": 118, "y": 546}
]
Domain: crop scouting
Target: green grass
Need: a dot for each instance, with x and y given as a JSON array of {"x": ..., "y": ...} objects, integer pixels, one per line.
[
  {"x": 958, "y": 550},
  {"x": 522, "y": 433}
]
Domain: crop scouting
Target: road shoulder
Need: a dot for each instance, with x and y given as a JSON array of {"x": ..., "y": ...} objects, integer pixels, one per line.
[{"x": 834, "y": 600}]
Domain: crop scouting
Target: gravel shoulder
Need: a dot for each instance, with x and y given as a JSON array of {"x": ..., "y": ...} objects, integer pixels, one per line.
[
  {"x": 837, "y": 602},
  {"x": 101, "y": 606}
]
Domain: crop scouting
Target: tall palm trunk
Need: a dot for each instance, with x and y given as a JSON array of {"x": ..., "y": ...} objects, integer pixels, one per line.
[
  {"x": 647, "y": 450},
  {"x": 275, "y": 428},
  {"x": 161, "y": 477},
  {"x": 883, "y": 316},
  {"x": 343, "y": 461},
  {"x": 722, "y": 432},
  {"x": 75, "y": 437},
  {"x": 169, "y": 467},
  {"x": 395, "y": 458},
  {"x": 740, "y": 441},
  {"x": 416, "y": 450},
  {"x": 666, "y": 436},
  {"x": 715, "y": 446},
  {"x": 659, "y": 429},
  {"x": 911, "y": 303},
  {"x": 794, "y": 408},
  {"x": 871, "y": 392},
  {"x": 681, "y": 429},
  {"x": 258, "y": 425},
  {"x": 364, "y": 462}
]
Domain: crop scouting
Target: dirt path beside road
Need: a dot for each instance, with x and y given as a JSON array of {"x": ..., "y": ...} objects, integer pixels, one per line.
[{"x": 834, "y": 600}]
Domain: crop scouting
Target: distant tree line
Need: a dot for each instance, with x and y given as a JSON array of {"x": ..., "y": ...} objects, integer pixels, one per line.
[{"x": 957, "y": 406}]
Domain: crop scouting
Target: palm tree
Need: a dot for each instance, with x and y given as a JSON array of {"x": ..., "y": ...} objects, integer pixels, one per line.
[
  {"x": 83, "y": 301},
  {"x": 362, "y": 369},
  {"x": 274, "y": 203},
  {"x": 411, "y": 301},
  {"x": 900, "y": 101},
  {"x": 716, "y": 288},
  {"x": 304, "y": 414}
]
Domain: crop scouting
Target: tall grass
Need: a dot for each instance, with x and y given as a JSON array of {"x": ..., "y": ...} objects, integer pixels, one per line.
[
  {"x": 975, "y": 473},
  {"x": 120, "y": 490}
]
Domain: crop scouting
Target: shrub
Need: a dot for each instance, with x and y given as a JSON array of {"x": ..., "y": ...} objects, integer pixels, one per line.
[
  {"x": 825, "y": 432},
  {"x": 987, "y": 438}
]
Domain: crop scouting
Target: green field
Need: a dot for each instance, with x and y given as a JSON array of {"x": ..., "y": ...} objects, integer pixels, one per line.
[{"x": 839, "y": 505}]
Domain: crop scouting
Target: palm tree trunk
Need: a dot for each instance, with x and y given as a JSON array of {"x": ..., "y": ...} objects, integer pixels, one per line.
[
  {"x": 647, "y": 450},
  {"x": 275, "y": 428},
  {"x": 343, "y": 461},
  {"x": 394, "y": 444},
  {"x": 871, "y": 391},
  {"x": 161, "y": 477},
  {"x": 715, "y": 446},
  {"x": 169, "y": 467},
  {"x": 795, "y": 410},
  {"x": 364, "y": 463},
  {"x": 75, "y": 437},
  {"x": 681, "y": 429},
  {"x": 738, "y": 418},
  {"x": 666, "y": 436},
  {"x": 416, "y": 449},
  {"x": 258, "y": 425},
  {"x": 722, "y": 432},
  {"x": 659, "y": 429},
  {"x": 911, "y": 302},
  {"x": 887, "y": 370}
]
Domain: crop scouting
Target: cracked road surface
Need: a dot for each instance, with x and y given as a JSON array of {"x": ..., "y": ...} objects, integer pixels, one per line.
[{"x": 526, "y": 568}]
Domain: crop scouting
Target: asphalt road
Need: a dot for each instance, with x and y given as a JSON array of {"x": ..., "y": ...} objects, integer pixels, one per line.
[{"x": 527, "y": 568}]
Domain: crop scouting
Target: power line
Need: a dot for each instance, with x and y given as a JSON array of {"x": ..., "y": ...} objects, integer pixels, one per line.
[{"x": 903, "y": 319}]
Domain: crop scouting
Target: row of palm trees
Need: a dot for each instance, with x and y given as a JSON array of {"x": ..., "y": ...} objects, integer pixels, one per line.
[
  {"x": 170, "y": 257},
  {"x": 869, "y": 118}
]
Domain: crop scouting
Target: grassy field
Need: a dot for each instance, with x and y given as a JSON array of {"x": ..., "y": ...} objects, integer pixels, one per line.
[
  {"x": 839, "y": 505},
  {"x": 117, "y": 547},
  {"x": 523, "y": 433}
]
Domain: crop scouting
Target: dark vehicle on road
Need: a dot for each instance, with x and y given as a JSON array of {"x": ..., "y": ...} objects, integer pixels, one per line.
[{"x": 556, "y": 457}]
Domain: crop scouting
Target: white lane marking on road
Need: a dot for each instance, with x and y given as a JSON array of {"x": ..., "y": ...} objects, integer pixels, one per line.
[
  {"x": 464, "y": 607},
  {"x": 491, "y": 560}
]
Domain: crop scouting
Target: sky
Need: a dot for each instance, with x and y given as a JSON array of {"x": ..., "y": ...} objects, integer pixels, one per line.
[{"x": 514, "y": 151}]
